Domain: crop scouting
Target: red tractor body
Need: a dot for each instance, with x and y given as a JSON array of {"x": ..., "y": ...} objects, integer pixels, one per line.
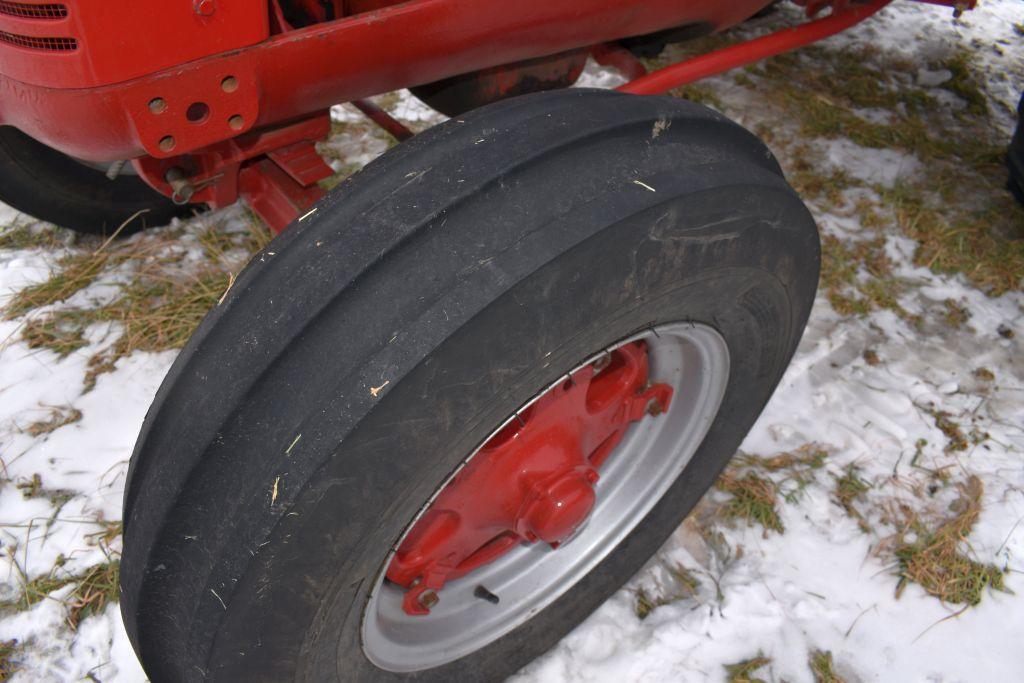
[
  {"x": 213, "y": 100},
  {"x": 80, "y": 76}
]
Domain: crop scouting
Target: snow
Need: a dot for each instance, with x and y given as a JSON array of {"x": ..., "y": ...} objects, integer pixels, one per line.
[{"x": 821, "y": 585}]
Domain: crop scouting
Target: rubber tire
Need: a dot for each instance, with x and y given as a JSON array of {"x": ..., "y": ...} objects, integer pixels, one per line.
[
  {"x": 1015, "y": 157},
  {"x": 53, "y": 187},
  {"x": 361, "y": 356}
]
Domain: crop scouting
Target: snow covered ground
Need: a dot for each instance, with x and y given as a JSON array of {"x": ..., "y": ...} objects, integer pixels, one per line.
[{"x": 898, "y": 418}]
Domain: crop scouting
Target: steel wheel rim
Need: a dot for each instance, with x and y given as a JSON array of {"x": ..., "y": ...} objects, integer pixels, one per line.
[{"x": 694, "y": 360}]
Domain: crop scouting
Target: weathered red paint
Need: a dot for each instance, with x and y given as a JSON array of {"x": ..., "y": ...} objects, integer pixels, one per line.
[
  {"x": 123, "y": 79},
  {"x": 729, "y": 58},
  {"x": 534, "y": 480},
  {"x": 234, "y": 168},
  {"x": 291, "y": 74}
]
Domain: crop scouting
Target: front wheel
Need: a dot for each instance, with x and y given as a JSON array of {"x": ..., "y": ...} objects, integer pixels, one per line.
[
  {"x": 428, "y": 434},
  {"x": 53, "y": 187}
]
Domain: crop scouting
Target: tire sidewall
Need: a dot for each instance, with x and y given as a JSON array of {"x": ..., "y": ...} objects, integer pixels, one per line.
[{"x": 624, "y": 279}]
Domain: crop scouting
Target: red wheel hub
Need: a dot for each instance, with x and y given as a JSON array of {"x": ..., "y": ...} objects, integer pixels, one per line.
[{"x": 533, "y": 480}]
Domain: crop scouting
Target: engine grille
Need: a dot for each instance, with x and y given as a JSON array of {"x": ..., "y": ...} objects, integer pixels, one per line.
[
  {"x": 37, "y": 43},
  {"x": 27, "y": 11}
]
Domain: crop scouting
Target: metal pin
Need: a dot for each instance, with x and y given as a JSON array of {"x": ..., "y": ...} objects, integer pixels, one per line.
[{"x": 484, "y": 594}]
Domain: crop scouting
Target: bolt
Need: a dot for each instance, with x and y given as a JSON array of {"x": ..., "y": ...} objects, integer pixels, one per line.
[
  {"x": 484, "y": 594},
  {"x": 114, "y": 169},
  {"x": 602, "y": 362},
  {"x": 654, "y": 407},
  {"x": 428, "y": 599},
  {"x": 157, "y": 105},
  {"x": 182, "y": 188},
  {"x": 229, "y": 84},
  {"x": 236, "y": 122},
  {"x": 167, "y": 143},
  {"x": 204, "y": 8}
]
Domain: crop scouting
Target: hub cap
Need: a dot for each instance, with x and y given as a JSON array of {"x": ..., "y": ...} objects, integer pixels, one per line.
[{"x": 546, "y": 497}]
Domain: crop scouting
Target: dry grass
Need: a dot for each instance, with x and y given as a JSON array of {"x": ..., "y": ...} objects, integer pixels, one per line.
[
  {"x": 161, "y": 293},
  {"x": 850, "y": 489},
  {"x": 857, "y": 278},
  {"x": 792, "y": 470},
  {"x": 10, "y": 650},
  {"x": 822, "y": 668},
  {"x": 94, "y": 589},
  {"x": 744, "y": 672},
  {"x": 686, "y": 585},
  {"x": 33, "y": 236},
  {"x": 933, "y": 555},
  {"x": 955, "y": 207},
  {"x": 73, "y": 273},
  {"x": 753, "y": 498},
  {"x": 60, "y": 416}
]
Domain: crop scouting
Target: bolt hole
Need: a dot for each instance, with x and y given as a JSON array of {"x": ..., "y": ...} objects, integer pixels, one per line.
[
  {"x": 229, "y": 84},
  {"x": 197, "y": 112}
]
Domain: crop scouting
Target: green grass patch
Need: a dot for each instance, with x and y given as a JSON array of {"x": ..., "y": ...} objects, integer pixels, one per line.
[
  {"x": 822, "y": 668},
  {"x": 746, "y": 671},
  {"x": 93, "y": 589},
  {"x": 933, "y": 555},
  {"x": 753, "y": 498},
  {"x": 33, "y": 236},
  {"x": 955, "y": 206},
  {"x": 160, "y": 294},
  {"x": 848, "y": 490}
]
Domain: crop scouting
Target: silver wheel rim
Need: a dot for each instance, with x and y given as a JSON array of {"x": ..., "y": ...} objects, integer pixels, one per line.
[{"x": 694, "y": 360}]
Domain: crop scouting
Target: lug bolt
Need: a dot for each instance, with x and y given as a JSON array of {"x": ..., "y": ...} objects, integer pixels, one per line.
[
  {"x": 229, "y": 84},
  {"x": 428, "y": 599},
  {"x": 167, "y": 143},
  {"x": 236, "y": 122},
  {"x": 157, "y": 105},
  {"x": 654, "y": 407},
  {"x": 602, "y": 362}
]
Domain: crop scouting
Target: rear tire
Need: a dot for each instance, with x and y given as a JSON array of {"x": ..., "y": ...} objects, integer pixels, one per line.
[
  {"x": 358, "y": 361},
  {"x": 53, "y": 187}
]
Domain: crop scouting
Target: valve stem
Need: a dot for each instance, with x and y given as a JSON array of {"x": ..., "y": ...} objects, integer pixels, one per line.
[{"x": 484, "y": 594}]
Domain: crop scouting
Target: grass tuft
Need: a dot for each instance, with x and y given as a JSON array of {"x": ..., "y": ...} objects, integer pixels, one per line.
[
  {"x": 957, "y": 440},
  {"x": 10, "y": 650},
  {"x": 985, "y": 375},
  {"x": 753, "y": 499},
  {"x": 59, "y": 417},
  {"x": 850, "y": 489},
  {"x": 823, "y": 668},
  {"x": 94, "y": 589},
  {"x": 160, "y": 294},
  {"x": 687, "y": 584},
  {"x": 33, "y": 236},
  {"x": 930, "y": 555},
  {"x": 743, "y": 672}
]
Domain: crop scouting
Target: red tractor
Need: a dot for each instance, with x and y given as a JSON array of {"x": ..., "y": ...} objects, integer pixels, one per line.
[{"x": 467, "y": 394}]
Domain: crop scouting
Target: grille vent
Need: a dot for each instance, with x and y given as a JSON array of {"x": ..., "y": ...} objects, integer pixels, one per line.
[
  {"x": 24, "y": 10},
  {"x": 41, "y": 44}
]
